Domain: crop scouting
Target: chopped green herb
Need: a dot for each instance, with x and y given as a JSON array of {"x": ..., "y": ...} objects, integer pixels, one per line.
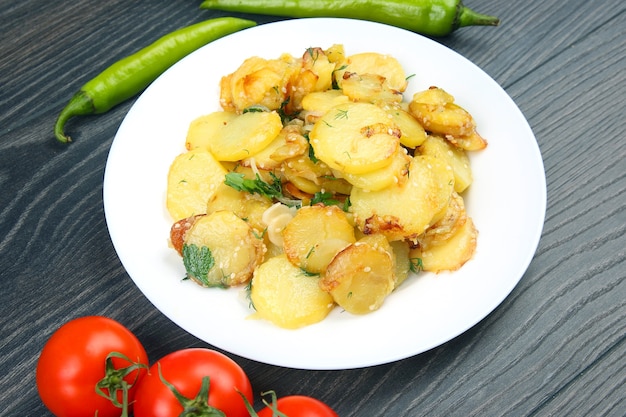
[
  {"x": 198, "y": 262},
  {"x": 248, "y": 289},
  {"x": 347, "y": 204},
  {"x": 335, "y": 85},
  {"x": 324, "y": 197},
  {"x": 255, "y": 109},
  {"x": 341, "y": 114},
  {"x": 259, "y": 236},
  {"x": 258, "y": 186},
  {"x": 284, "y": 116},
  {"x": 255, "y": 186},
  {"x": 308, "y": 274},
  {"x": 416, "y": 265},
  {"x": 312, "y": 156},
  {"x": 313, "y": 53}
]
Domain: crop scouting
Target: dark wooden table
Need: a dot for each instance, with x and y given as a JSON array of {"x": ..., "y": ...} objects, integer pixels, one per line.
[{"x": 555, "y": 346}]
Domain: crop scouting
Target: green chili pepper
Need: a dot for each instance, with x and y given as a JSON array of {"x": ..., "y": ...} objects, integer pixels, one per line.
[
  {"x": 428, "y": 17},
  {"x": 132, "y": 74}
]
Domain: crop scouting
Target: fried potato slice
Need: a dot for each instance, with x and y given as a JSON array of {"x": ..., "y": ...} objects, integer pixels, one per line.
[
  {"x": 316, "y": 74},
  {"x": 436, "y": 111},
  {"x": 233, "y": 245},
  {"x": 179, "y": 230},
  {"x": 402, "y": 261},
  {"x": 192, "y": 179},
  {"x": 406, "y": 210},
  {"x": 259, "y": 81},
  {"x": 315, "y": 235},
  {"x": 369, "y": 88},
  {"x": 244, "y": 135},
  {"x": 285, "y": 295},
  {"x": 355, "y": 138},
  {"x": 447, "y": 225},
  {"x": 394, "y": 173},
  {"x": 412, "y": 132},
  {"x": 375, "y": 63},
  {"x": 247, "y": 206},
  {"x": 318, "y": 103},
  {"x": 202, "y": 130},
  {"x": 360, "y": 277},
  {"x": 451, "y": 254},
  {"x": 289, "y": 143},
  {"x": 398, "y": 250},
  {"x": 454, "y": 156}
]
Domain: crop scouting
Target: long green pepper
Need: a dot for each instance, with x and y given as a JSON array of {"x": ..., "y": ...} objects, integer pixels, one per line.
[
  {"x": 130, "y": 75},
  {"x": 428, "y": 17}
]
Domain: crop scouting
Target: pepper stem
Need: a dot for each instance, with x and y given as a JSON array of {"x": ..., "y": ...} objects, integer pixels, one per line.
[
  {"x": 468, "y": 17},
  {"x": 79, "y": 105}
]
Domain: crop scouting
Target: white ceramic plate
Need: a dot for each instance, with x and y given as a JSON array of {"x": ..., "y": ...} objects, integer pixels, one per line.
[{"x": 507, "y": 202}]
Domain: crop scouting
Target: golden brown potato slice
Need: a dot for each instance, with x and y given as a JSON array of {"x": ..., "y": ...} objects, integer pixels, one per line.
[
  {"x": 247, "y": 206},
  {"x": 244, "y": 135},
  {"x": 454, "y": 156},
  {"x": 315, "y": 75},
  {"x": 413, "y": 133},
  {"x": 436, "y": 111},
  {"x": 448, "y": 223},
  {"x": 375, "y": 63},
  {"x": 317, "y": 103},
  {"x": 285, "y": 295},
  {"x": 399, "y": 252},
  {"x": 394, "y": 173},
  {"x": 192, "y": 179},
  {"x": 355, "y": 138},
  {"x": 259, "y": 81},
  {"x": 360, "y": 277},
  {"x": 315, "y": 235},
  {"x": 202, "y": 129},
  {"x": 471, "y": 142},
  {"x": 231, "y": 243},
  {"x": 451, "y": 254},
  {"x": 336, "y": 53},
  {"x": 289, "y": 143},
  {"x": 406, "y": 210},
  {"x": 369, "y": 88},
  {"x": 402, "y": 261},
  {"x": 305, "y": 174},
  {"x": 179, "y": 230}
]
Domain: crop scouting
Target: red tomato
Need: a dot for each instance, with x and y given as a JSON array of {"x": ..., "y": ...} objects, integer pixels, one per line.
[
  {"x": 185, "y": 369},
  {"x": 299, "y": 406},
  {"x": 72, "y": 362}
]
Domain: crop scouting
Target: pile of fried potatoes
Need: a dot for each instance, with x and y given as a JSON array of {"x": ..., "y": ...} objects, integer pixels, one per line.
[{"x": 372, "y": 184}]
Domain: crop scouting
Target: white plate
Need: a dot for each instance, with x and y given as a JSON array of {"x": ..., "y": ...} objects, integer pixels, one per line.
[{"x": 507, "y": 202}]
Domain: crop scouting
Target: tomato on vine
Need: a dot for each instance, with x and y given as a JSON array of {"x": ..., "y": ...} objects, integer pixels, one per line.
[
  {"x": 90, "y": 365},
  {"x": 193, "y": 382},
  {"x": 292, "y": 406}
]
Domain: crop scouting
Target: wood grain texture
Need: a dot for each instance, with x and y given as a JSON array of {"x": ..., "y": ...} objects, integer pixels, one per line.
[{"x": 555, "y": 346}]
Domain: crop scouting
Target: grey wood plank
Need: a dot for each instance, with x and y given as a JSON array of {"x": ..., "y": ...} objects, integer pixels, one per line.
[{"x": 554, "y": 347}]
